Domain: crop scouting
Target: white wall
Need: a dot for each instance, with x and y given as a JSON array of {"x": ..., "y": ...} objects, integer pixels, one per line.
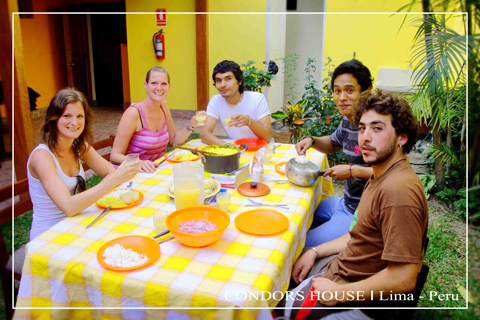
[
  {"x": 276, "y": 52},
  {"x": 304, "y": 36}
]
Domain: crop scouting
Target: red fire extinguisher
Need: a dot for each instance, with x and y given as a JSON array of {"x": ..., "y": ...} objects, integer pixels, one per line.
[{"x": 159, "y": 44}]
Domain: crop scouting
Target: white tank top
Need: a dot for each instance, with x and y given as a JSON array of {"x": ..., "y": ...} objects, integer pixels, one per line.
[{"x": 45, "y": 212}]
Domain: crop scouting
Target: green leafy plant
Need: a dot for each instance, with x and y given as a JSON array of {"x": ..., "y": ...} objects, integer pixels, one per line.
[
  {"x": 254, "y": 78},
  {"x": 322, "y": 114},
  {"x": 428, "y": 182},
  {"x": 439, "y": 63},
  {"x": 290, "y": 64},
  {"x": 294, "y": 117}
]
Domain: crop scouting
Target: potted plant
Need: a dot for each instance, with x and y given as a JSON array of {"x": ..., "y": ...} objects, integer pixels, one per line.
[
  {"x": 293, "y": 117},
  {"x": 254, "y": 78}
]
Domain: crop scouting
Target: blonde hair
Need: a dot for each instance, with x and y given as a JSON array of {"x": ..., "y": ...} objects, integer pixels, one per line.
[{"x": 157, "y": 69}]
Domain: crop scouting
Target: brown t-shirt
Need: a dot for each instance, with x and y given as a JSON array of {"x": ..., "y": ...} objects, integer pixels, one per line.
[{"x": 392, "y": 221}]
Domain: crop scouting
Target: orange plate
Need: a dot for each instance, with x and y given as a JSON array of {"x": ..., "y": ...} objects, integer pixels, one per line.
[
  {"x": 261, "y": 222},
  {"x": 253, "y": 143},
  {"x": 278, "y": 167},
  {"x": 176, "y": 161},
  {"x": 139, "y": 244},
  {"x": 126, "y": 206}
]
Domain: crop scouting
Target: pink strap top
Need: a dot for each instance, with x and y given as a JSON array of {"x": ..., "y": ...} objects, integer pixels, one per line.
[{"x": 148, "y": 144}]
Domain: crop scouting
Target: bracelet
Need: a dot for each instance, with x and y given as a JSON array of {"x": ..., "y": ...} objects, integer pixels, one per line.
[
  {"x": 188, "y": 129},
  {"x": 315, "y": 250},
  {"x": 249, "y": 120},
  {"x": 351, "y": 175}
]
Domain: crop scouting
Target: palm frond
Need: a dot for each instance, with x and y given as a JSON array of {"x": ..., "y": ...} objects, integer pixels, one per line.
[{"x": 438, "y": 56}]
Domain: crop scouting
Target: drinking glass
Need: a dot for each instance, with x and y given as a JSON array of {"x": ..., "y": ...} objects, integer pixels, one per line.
[
  {"x": 228, "y": 121},
  {"x": 201, "y": 116},
  {"x": 131, "y": 157},
  {"x": 270, "y": 148},
  {"x": 159, "y": 217},
  {"x": 223, "y": 199}
]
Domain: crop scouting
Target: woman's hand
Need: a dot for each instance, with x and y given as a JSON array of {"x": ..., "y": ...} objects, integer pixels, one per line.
[
  {"x": 303, "y": 265},
  {"x": 194, "y": 121},
  {"x": 126, "y": 171},
  {"x": 148, "y": 166}
]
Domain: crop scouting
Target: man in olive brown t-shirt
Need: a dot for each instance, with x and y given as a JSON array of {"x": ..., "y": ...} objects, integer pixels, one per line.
[{"x": 381, "y": 254}]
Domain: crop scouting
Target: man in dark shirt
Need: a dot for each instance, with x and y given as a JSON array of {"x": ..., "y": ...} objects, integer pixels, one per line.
[{"x": 335, "y": 214}]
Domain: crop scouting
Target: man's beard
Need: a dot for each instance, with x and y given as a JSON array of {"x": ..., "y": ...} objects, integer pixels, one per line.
[{"x": 382, "y": 155}]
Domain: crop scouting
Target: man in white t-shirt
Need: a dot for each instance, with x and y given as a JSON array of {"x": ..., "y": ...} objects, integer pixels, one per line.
[{"x": 243, "y": 114}]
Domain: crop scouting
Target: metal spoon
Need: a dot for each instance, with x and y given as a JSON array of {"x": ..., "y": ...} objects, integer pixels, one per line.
[{"x": 171, "y": 154}]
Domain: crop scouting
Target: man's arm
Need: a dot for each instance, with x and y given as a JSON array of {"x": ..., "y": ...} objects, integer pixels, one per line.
[
  {"x": 395, "y": 278},
  {"x": 304, "y": 264},
  {"x": 262, "y": 128},
  {"x": 206, "y": 135},
  {"x": 322, "y": 144},
  {"x": 346, "y": 171}
]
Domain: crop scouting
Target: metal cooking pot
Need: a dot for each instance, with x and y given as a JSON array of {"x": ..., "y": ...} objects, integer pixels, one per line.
[
  {"x": 223, "y": 164},
  {"x": 302, "y": 174}
]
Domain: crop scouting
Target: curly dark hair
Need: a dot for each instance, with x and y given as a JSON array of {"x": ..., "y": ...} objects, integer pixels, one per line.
[
  {"x": 56, "y": 109},
  {"x": 227, "y": 65},
  {"x": 385, "y": 103},
  {"x": 357, "y": 69}
]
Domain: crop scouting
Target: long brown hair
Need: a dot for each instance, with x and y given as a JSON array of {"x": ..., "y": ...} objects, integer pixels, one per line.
[{"x": 56, "y": 109}]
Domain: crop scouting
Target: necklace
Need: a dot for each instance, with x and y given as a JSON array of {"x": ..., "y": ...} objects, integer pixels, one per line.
[
  {"x": 395, "y": 164},
  {"x": 236, "y": 104}
]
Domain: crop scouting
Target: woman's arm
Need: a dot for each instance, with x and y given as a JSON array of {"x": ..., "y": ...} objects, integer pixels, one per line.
[
  {"x": 129, "y": 123},
  {"x": 97, "y": 163},
  {"x": 43, "y": 167},
  {"x": 176, "y": 137}
]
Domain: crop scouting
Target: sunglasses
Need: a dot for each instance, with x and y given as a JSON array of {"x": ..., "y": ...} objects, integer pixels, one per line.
[{"x": 81, "y": 186}]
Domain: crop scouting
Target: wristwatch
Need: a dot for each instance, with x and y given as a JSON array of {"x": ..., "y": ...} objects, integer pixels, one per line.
[{"x": 305, "y": 137}]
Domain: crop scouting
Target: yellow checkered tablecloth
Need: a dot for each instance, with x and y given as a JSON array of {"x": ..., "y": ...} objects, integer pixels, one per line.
[{"x": 238, "y": 272}]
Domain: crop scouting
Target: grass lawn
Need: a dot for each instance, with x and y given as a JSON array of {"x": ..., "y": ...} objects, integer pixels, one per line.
[{"x": 446, "y": 255}]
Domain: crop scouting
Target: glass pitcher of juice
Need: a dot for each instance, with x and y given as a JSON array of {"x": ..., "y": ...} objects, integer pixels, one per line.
[{"x": 188, "y": 182}]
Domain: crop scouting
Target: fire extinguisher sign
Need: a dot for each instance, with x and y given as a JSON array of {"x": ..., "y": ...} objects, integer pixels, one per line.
[{"x": 161, "y": 18}]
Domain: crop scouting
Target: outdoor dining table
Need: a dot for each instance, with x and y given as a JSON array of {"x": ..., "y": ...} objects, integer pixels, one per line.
[{"x": 62, "y": 278}]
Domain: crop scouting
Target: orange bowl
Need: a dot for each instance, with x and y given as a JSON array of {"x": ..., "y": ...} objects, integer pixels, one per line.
[
  {"x": 197, "y": 240},
  {"x": 253, "y": 143}
]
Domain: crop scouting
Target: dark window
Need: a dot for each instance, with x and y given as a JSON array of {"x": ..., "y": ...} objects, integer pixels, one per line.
[{"x": 291, "y": 4}]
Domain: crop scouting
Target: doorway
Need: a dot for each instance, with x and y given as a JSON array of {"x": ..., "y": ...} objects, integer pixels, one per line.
[{"x": 104, "y": 35}]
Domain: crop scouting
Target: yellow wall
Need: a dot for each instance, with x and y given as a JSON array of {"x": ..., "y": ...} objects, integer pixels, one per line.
[
  {"x": 180, "y": 54},
  {"x": 44, "y": 54},
  {"x": 375, "y": 38},
  {"x": 237, "y": 37}
]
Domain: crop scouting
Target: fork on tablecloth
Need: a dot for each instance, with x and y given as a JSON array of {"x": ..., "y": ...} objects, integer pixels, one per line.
[{"x": 256, "y": 203}]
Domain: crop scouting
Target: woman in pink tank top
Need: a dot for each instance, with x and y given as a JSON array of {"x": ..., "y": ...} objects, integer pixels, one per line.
[{"x": 147, "y": 127}]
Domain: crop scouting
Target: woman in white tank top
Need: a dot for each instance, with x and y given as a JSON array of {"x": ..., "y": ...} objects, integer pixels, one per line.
[{"x": 54, "y": 168}]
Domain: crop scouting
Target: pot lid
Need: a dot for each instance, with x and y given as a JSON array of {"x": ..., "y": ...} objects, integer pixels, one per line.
[{"x": 246, "y": 189}]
